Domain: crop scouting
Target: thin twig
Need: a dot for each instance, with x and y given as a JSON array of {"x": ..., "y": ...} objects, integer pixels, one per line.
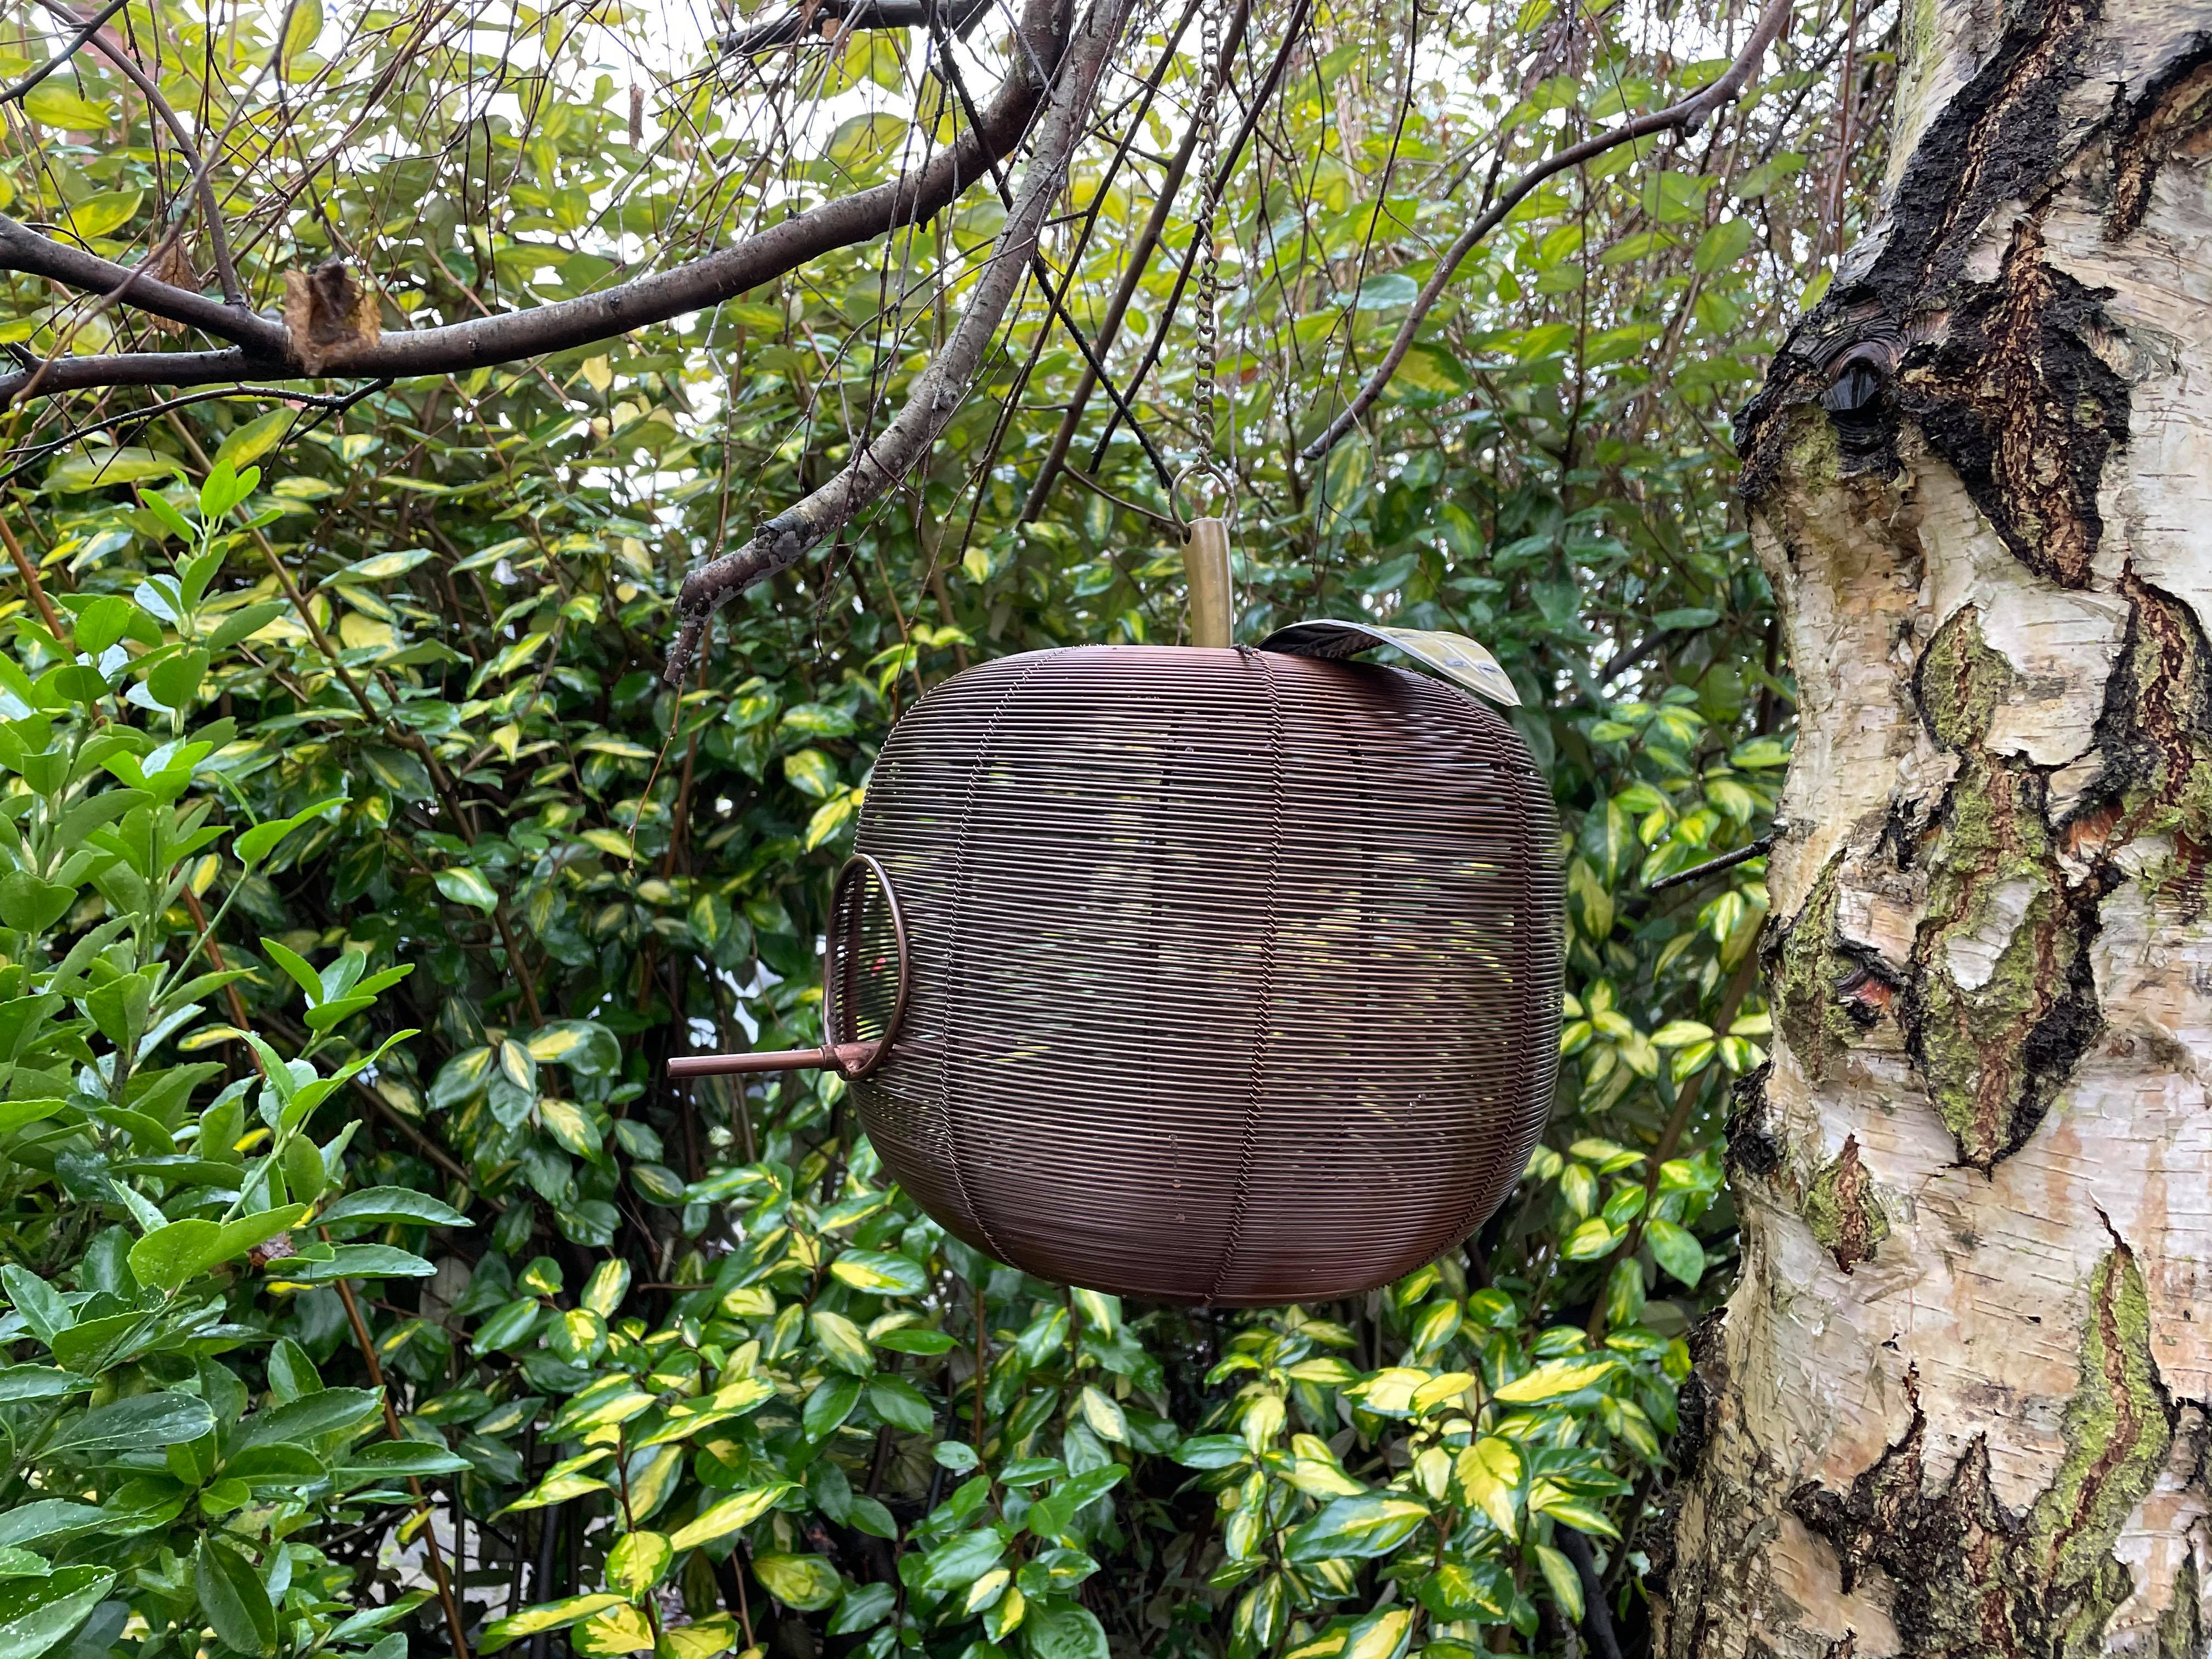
[
  {"x": 1685, "y": 114},
  {"x": 218, "y": 238},
  {"x": 334, "y": 403},
  {"x": 1293, "y": 33},
  {"x": 30, "y": 574},
  {"x": 1713, "y": 866},
  {"x": 1139, "y": 261},
  {"x": 9, "y": 95},
  {"x": 432, "y": 1552},
  {"x": 938, "y": 391}
]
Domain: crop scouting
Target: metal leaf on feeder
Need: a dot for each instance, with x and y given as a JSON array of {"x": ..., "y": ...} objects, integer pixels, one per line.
[{"x": 1201, "y": 973}]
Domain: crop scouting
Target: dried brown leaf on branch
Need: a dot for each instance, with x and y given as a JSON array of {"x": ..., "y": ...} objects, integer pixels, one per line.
[{"x": 328, "y": 315}]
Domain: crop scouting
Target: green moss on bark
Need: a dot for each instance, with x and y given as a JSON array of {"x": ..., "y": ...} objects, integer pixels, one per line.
[
  {"x": 1841, "y": 1209},
  {"x": 1974, "y": 1580},
  {"x": 1994, "y": 1050},
  {"x": 1807, "y": 970},
  {"x": 2117, "y": 1429}
]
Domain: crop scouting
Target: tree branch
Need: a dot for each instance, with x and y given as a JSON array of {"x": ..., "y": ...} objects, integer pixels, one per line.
[
  {"x": 262, "y": 350},
  {"x": 76, "y": 44},
  {"x": 23, "y": 249},
  {"x": 938, "y": 389},
  {"x": 960, "y": 18},
  {"x": 1132, "y": 275},
  {"x": 1293, "y": 32},
  {"x": 218, "y": 238},
  {"x": 1687, "y": 113}
]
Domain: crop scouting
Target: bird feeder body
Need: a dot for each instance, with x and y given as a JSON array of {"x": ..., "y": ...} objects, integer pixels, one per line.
[{"x": 1217, "y": 975}]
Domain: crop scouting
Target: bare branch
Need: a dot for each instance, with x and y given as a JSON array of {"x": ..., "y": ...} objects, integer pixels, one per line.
[
  {"x": 1687, "y": 113},
  {"x": 938, "y": 389},
  {"x": 960, "y": 18},
  {"x": 76, "y": 44},
  {"x": 23, "y": 249},
  {"x": 263, "y": 349},
  {"x": 1141, "y": 259},
  {"x": 218, "y": 237}
]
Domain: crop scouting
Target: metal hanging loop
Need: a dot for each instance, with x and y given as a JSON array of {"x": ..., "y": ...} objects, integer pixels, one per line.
[{"x": 847, "y": 1053}]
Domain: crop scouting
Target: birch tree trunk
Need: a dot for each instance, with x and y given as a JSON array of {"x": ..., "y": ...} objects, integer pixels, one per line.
[{"x": 1958, "y": 1404}]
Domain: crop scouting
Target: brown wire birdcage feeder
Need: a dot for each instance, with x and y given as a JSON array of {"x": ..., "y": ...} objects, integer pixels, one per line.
[{"x": 1222, "y": 975}]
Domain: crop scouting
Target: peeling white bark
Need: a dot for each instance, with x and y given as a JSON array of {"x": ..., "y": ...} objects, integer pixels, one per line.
[{"x": 2004, "y": 1306}]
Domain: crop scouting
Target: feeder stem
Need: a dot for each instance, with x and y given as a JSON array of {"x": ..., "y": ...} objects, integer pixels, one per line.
[
  {"x": 844, "y": 1057},
  {"x": 1206, "y": 573}
]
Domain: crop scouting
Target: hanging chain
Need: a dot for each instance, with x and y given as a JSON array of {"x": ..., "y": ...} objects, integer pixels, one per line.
[{"x": 1209, "y": 276}]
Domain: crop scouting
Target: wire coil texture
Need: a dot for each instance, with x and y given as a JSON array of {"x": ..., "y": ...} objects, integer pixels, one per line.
[{"x": 1226, "y": 975}]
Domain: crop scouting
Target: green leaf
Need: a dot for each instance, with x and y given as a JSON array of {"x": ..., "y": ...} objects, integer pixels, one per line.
[
  {"x": 31, "y": 905},
  {"x": 843, "y": 1345},
  {"x": 36, "y": 1614},
  {"x": 392, "y": 1204},
  {"x": 1573, "y": 1512},
  {"x": 467, "y": 886},
  {"x": 1676, "y": 1250},
  {"x": 383, "y": 567},
  {"x": 829, "y": 1405},
  {"x": 638, "y": 1562},
  {"x": 52, "y": 103},
  {"x": 1103, "y": 1416},
  {"x": 20, "y": 1114},
  {"x": 584, "y": 1046},
  {"x": 250, "y": 442},
  {"x": 169, "y": 1256},
  {"x": 550, "y": 1615},
  {"x": 1063, "y": 1632},
  {"x": 811, "y": 773},
  {"x": 300, "y": 36},
  {"x": 960, "y": 1561},
  {"x": 1374, "y": 1523},
  {"x": 730, "y": 1515},
  {"x": 901, "y": 1405},
  {"x": 353, "y": 1262},
  {"x": 51, "y": 1520},
  {"x": 328, "y": 1412},
  {"x": 37, "y": 1382},
  {"x": 134, "y": 1424},
  {"x": 252, "y": 846},
  {"x": 1386, "y": 291},
  {"x": 1554, "y": 1379},
  {"x": 243, "y": 623},
  {"x": 1561, "y": 1579},
  {"x": 1432, "y": 369},
  {"x": 97, "y": 215},
  {"x": 397, "y": 1459},
  {"x": 1718, "y": 248},
  {"x": 233, "y": 1598},
  {"x": 880, "y": 1273},
  {"x": 805, "y": 1582}
]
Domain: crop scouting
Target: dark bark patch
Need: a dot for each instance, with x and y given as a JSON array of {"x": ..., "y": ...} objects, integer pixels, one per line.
[
  {"x": 2154, "y": 733},
  {"x": 2003, "y": 376},
  {"x": 1751, "y": 1149},
  {"x": 1974, "y": 1578},
  {"x": 2173, "y": 118},
  {"x": 2017, "y": 400}
]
